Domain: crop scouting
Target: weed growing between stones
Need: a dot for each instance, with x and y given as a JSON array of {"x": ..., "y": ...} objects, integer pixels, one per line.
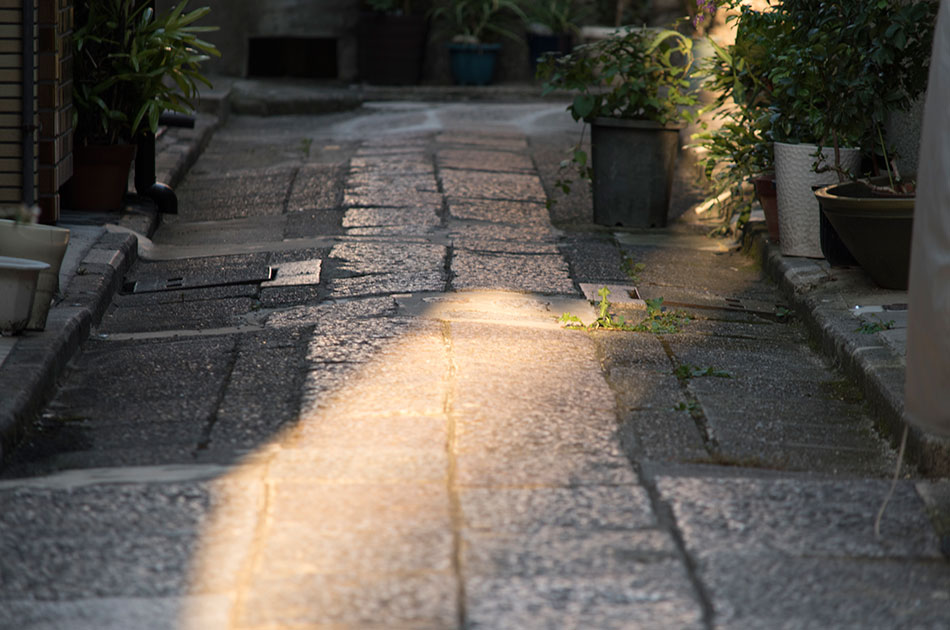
[
  {"x": 869, "y": 328},
  {"x": 658, "y": 320},
  {"x": 685, "y": 371},
  {"x": 632, "y": 269}
]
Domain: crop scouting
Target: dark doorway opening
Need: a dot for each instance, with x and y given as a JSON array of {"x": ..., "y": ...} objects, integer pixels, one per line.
[{"x": 302, "y": 57}]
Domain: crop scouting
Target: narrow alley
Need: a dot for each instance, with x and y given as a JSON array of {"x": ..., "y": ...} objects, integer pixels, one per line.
[{"x": 333, "y": 392}]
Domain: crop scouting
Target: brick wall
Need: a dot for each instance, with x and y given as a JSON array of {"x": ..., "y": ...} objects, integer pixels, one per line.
[
  {"x": 54, "y": 102},
  {"x": 52, "y": 94},
  {"x": 11, "y": 102}
]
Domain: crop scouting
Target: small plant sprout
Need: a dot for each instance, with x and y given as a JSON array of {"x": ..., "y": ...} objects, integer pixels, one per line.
[
  {"x": 632, "y": 269},
  {"x": 685, "y": 371},
  {"x": 658, "y": 320},
  {"x": 871, "y": 327}
]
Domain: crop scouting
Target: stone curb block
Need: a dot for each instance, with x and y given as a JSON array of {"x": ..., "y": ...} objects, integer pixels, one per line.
[{"x": 874, "y": 366}]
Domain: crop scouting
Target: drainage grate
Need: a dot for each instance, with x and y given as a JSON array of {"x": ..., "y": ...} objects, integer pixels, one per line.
[{"x": 199, "y": 281}]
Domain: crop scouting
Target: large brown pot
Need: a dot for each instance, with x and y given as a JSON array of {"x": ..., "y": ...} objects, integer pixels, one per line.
[
  {"x": 876, "y": 230},
  {"x": 100, "y": 176}
]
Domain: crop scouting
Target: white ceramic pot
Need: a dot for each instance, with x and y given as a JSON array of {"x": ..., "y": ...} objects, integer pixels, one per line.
[
  {"x": 18, "y": 278},
  {"x": 798, "y": 210},
  {"x": 37, "y": 242}
]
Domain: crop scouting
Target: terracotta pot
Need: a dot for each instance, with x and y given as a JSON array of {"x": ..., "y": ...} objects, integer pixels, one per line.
[
  {"x": 100, "y": 177},
  {"x": 768, "y": 199}
]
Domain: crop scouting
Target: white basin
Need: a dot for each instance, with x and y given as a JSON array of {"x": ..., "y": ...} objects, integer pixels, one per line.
[{"x": 18, "y": 278}]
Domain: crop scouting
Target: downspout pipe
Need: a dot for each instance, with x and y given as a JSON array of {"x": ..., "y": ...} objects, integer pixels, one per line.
[{"x": 28, "y": 108}]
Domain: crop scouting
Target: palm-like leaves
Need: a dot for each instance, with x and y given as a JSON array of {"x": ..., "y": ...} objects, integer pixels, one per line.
[{"x": 133, "y": 64}]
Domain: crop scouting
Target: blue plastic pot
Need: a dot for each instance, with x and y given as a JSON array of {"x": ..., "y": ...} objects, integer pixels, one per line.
[{"x": 473, "y": 64}]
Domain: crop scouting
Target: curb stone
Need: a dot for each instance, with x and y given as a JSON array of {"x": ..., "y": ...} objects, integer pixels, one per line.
[{"x": 877, "y": 369}]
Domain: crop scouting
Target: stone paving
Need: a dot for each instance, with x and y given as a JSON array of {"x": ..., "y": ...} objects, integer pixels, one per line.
[{"x": 334, "y": 394}]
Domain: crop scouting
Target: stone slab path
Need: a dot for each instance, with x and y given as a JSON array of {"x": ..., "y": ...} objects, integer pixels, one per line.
[{"x": 355, "y": 409}]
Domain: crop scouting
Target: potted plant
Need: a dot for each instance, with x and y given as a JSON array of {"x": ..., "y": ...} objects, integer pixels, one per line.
[
  {"x": 551, "y": 26},
  {"x": 469, "y": 23},
  {"x": 891, "y": 42},
  {"x": 739, "y": 150},
  {"x": 391, "y": 42},
  {"x": 634, "y": 91},
  {"x": 130, "y": 65}
]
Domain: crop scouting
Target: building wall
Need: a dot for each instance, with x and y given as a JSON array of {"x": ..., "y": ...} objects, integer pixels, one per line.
[
  {"x": 11, "y": 103},
  {"x": 54, "y": 102},
  {"x": 240, "y": 20}
]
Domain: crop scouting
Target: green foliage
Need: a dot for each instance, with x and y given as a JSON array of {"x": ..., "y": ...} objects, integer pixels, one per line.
[
  {"x": 556, "y": 16},
  {"x": 684, "y": 372},
  {"x": 871, "y": 327},
  {"x": 840, "y": 67},
  {"x": 661, "y": 321},
  {"x": 690, "y": 407},
  {"x": 392, "y": 7},
  {"x": 740, "y": 148},
  {"x": 658, "y": 320},
  {"x": 640, "y": 73},
  {"x": 471, "y": 21},
  {"x": 131, "y": 65},
  {"x": 632, "y": 269}
]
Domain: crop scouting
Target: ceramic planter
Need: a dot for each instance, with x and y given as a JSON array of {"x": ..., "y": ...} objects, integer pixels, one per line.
[
  {"x": 876, "y": 230},
  {"x": 765, "y": 192},
  {"x": 100, "y": 177},
  {"x": 795, "y": 180},
  {"x": 18, "y": 278},
  {"x": 633, "y": 164},
  {"x": 44, "y": 243},
  {"x": 473, "y": 64}
]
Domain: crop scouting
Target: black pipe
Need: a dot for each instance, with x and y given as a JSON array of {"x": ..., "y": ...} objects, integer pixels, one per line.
[{"x": 28, "y": 110}]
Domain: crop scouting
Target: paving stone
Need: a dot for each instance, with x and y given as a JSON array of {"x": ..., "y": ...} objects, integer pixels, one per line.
[
  {"x": 483, "y": 185},
  {"x": 421, "y": 600},
  {"x": 316, "y": 186},
  {"x": 663, "y": 435},
  {"x": 511, "y": 272},
  {"x": 370, "y": 257},
  {"x": 503, "y": 161},
  {"x": 656, "y": 596},
  {"x": 362, "y": 464},
  {"x": 563, "y": 552},
  {"x": 296, "y": 549},
  {"x": 798, "y": 516},
  {"x": 309, "y": 223},
  {"x": 501, "y": 141},
  {"x": 420, "y": 218},
  {"x": 515, "y": 213},
  {"x": 523, "y": 467},
  {"x": 188, "y": 315},
  {"x": 118, "y": 613},
  {"x": 779, "y": 591},
  {"x": 584, "y": 508},
  {"x": 410, "y": 163}
]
